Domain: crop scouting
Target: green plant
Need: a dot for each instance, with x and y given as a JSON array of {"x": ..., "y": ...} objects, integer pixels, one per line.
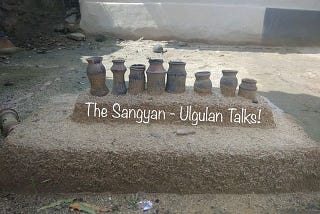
[{"x": 133, "y": 201}]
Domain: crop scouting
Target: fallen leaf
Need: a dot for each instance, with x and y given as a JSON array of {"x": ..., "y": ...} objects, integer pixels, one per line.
[
  {"x": 89, "y": 208},
  {"x": 57, "y": 203}
]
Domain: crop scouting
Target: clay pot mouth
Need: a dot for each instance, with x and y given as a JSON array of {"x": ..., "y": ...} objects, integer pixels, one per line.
[
  {"x": 9, "y": 111},
  {"x": 94, "y": 60},
  {"x": 138, "y": 67},
  {"x": 229, "y": 71},
  {"x": 203, "y": 74},
  {"x": 249, "y": 81},
  {"x": 155, "y": 61},
  {"x": 177, "y": 63},
  {"x": 118, "y": 61}
]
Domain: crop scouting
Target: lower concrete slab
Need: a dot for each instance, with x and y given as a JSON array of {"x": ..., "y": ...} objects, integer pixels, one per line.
[{"x": 50, "y": 152}]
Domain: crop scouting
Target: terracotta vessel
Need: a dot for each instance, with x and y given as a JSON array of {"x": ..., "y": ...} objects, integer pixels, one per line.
[
  {"x": 228, "y": 83},
  {"x": 137, "y": 79},
  {"x": 118, "y": 69},
  {"x": 176, "y": 77},
  {"x": 203, "y": 84},
  {"x": 156, "y": 75},
  {"x": 97, "y": 76},
  {"x": 9, "y": 119},
  {"x": 248, "y": 89}
]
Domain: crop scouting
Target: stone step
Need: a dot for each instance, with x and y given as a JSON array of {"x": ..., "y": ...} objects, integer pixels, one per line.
[{"x": 51, "y": 152}]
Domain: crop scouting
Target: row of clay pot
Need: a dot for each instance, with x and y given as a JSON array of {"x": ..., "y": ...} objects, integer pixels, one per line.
[
  {"x": 156, "y": 75},
  {"x": 156, "y": 84},
  {"x": 229, "y": 83}
]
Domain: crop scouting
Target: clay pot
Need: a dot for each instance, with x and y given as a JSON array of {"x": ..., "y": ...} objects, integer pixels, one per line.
[
  {"x": 97, "y": 76},
  {"x": 156, "y": 75},
  {"x": 228, "y": 83},
  {"x": 118, "y": 69},
  {"x": 137, "y": 79},
  {"x": 9, "y": 119},
  {"x": 248, "y": 89},
  {"x": 176, "y": 77},
  {"x": 203, "y": 84}
]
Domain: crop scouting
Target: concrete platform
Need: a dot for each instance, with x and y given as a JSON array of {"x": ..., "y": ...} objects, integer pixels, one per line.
[{"x": 50, "y": 152}]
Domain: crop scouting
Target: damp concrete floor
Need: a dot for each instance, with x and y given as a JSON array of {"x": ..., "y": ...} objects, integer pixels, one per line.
[{"x": 287, "y": 76}]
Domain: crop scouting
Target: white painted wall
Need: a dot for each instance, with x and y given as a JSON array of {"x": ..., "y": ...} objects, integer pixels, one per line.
[{"x": 223, "y": 21}]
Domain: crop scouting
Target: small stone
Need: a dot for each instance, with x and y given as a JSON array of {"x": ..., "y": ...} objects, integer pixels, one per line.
[
  {"x": 184, "y": 132},
  {"x": 77, "y": 36},
  {"x": 157, "y": 201},
  {"x": 156, "y": 135},
  {"x": 182, "y": 44},
  {"x": 158, "y": 48},
  {"x": 6, "y": 43},
  {"x": 8, "y": 83},
  {"x": 72, "y": 19},
  {"x": 59, "y": 28},
  {"x": 71, "y": 28},
  {"x": 255, "y": 101},
  {"x": 41, "y": 51},
  {"x": 100, "y": 38}
]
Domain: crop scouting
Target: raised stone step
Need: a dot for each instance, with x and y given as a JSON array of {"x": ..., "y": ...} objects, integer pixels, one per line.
[{"x": 50, "y": 152}]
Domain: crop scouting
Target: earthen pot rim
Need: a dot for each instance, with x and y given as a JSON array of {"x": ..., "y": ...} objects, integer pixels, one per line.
[
  {"x": 250, "y": 81},
  {"x": 94, "y": 59},
  {"x": 138, "y": 67},
  {"x": 9, "y": 110},
  {"x": 155, "y": 60},
  {"x": 118, "y": 61},
  {"x": 177, "y": 63},
  {"x": 229, "y": 71},
  {"x": 203, "y": 74}
]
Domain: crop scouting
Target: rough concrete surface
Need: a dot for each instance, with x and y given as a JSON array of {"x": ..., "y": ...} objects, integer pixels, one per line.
[{"x": 129, "y": 157}]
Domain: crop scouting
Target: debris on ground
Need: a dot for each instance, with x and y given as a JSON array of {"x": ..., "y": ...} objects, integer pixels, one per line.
[
  {"x": 7, "y": 47},
  {"x": 88, "y": 208},
  {"x": 76, "y": 205},
  {"x": 42, "y": 51},
  {"x": 71, "y": 28},
  {"x": 8, "y": 83},
  {"x": 59, "y": 28},
  {"x": 4, "y": 59},
  {"x": 182, "y": 44},
  {"x": 5, "y": 43},
  {"x": 145, "y": 205},
  {"x": 62, "y": 203},
  {"x": 77, "y": 36},
  {"x": 100, "y": 38},
  {"x": 158, "y": 49},
  {"x": 184, "y": 132}
]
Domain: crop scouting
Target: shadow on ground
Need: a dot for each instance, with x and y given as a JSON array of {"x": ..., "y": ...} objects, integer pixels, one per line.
[
  {"x": 304, "y": 108},
  {"x": 243, "y": 48}
]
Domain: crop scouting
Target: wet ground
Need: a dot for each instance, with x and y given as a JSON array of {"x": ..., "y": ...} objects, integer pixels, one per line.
[{"x": 289, "y": 77}]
